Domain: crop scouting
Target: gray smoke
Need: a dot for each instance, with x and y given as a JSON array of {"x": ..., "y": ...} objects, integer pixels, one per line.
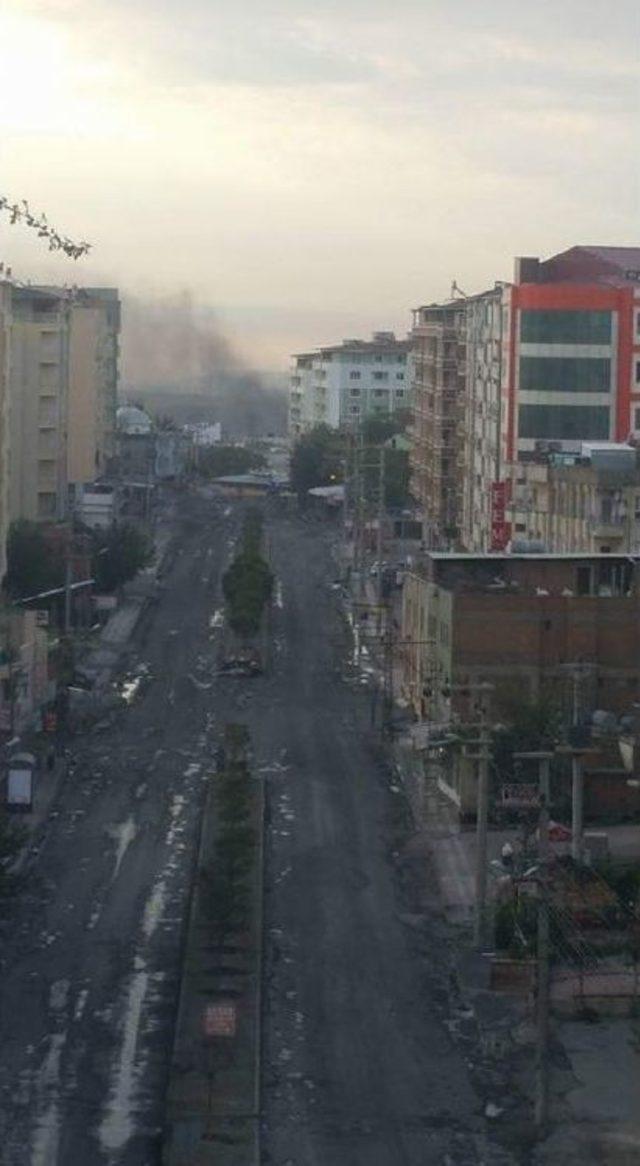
[{"x": 176, "y": 360}]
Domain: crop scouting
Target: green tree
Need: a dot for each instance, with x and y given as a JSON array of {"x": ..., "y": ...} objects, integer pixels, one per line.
[
  {"x": 248, "y": 583},
  {"x": 317, "y": 459},
  {"x": 119, "y": 554},
  {"x": 33, "y": 565},
  {"x": 379, "y": 427}
]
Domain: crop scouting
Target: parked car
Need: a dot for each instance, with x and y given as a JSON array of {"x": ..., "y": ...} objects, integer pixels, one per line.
[{"x": 19, "y": 793}]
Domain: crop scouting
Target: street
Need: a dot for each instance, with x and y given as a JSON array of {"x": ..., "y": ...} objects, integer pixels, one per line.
[
  {"x": 91, "y": 949},
  {"x": 358, "y": 1066}
]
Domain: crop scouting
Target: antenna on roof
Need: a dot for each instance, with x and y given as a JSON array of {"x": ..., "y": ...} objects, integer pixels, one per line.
[{"x": 455, "y": 290}]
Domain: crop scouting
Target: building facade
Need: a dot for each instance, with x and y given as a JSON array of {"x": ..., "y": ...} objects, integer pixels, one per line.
[
  {"x": 526, "y": 624},
  {"x": 572, "y": 348},
  {"x": 438, "y": 351},
  {"x": 93, "y": 383},
  {"x": 5, "y": 354},
  {"x": 38, "y": 409},
  {"x": 342, "y": 384},
  {"x": 577, "y": 502},
  {"x": 483, "y": 420}
]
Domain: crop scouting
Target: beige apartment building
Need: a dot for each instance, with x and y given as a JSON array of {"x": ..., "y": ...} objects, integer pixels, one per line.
[
  {"x": 588, "y": 501},
  {"x": 39, "y": 378},
  {"x": 484, "y": 419},
  {"x": 438, "y": 349},
  {"x": 5, "y": 347},
  {"x": 93, "y": 383}
]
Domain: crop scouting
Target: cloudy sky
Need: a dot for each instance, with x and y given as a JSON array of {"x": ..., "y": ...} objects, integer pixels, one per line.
[{"x": 313, "y": 171}]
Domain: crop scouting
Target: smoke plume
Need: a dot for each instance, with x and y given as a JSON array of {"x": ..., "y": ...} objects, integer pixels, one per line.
[{"x": 176, "y": 360}]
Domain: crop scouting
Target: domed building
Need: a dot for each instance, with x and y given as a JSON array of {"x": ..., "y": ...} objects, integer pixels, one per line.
[{"x": 133, "y": 421}]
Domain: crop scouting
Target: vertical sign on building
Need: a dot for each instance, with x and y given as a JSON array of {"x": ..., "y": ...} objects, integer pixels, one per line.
[{"x": 500, "y": 528}]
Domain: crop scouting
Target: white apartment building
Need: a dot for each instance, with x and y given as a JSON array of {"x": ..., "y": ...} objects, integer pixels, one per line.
[{"x": 344, "y": 383}]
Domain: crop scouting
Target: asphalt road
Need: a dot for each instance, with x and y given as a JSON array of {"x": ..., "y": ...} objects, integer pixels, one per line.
[
  {"x": 91, "y": 951},
  {"x": 358, "y": 1067}
]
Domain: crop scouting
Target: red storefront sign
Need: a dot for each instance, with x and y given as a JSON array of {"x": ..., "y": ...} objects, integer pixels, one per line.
[{"x": 500, "y": 528}]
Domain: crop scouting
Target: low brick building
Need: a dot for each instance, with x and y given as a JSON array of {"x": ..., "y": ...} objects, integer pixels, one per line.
[{"x": 562, "y": 625}]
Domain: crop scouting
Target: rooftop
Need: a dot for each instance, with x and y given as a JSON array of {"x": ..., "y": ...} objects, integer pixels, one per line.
[{"x": 504, "y": 557}]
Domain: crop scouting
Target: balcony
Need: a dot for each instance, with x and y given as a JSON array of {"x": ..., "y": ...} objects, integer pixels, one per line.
[{"x": 612, "y": 528}]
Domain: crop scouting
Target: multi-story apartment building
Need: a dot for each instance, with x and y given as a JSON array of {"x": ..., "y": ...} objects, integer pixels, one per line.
[
  {"x": 589, "y": 501},
  {"x": 301, "y": 398},
  {"x": 572, "y": 348},
  {"x": 553, "y": 356},
  {"x": 520, "y": 622},
  {"x": 39, "y": 379},
  {"x": 344, "y": 383},
  {"x": 93, "y": 383},
  {"x": 483, "y": 419},
  {"x": 5, "y": 352},
  {"x": 438, "y": 349}
]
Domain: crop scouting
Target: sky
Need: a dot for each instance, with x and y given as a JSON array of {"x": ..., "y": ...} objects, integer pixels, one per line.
[{"x": 314, "y": 171}]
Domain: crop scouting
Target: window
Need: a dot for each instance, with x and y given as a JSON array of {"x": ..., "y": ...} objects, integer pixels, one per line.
[
  {"x": 355, "y": 409},
  {"x": 378, "y": 359},
  {"x": 381, "y": 376},
  {"x": 354, "y": 392},
  {"x": 521, "y": 527},
  {"x": 564, "y": 422},
  {"x": 550, "y": 327},
  {"x": 402, "y": 359},
  {"x": 564, "y": 374},
  {"x": 380, "y": 392},
  {"x": 399, "y": 376},
  {"x": 638, "y": 372},
  {"x": 354, "y": 375},
  {"x": 399, "y": 393}
]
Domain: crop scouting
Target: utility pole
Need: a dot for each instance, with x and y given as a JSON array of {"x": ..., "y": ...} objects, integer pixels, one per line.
[
  {"x": 542, "y": 1010},
  {"x": 482, "y": 823},
  {"x": 68, "y": 575},
  {"x": 577, "y": 806},
  {"x": 542, "y": 1100},
  {"x": 381, "y": 513},
  {"x": 482, "y": 807}
]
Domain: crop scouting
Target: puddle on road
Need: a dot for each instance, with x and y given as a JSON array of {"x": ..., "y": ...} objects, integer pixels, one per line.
[
  {"x": 124, "y": 835},
  {"x": 130, "y": 685},
  {"x": 44, "y": 1146},
  {"x": 118, "y": 1126},
  {"x": 154, "y": 909}
]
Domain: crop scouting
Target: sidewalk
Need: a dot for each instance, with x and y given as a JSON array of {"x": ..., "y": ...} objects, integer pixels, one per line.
[
  {"x": 101, "y": 660},
  {"x": 46, "y": 787}
]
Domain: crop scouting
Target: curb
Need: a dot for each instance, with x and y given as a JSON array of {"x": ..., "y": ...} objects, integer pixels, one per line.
[{"x": 259, "y": 1001}]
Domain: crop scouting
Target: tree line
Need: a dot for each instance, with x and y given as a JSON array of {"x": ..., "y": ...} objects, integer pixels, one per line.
[{"x": 319, "y": 458}]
